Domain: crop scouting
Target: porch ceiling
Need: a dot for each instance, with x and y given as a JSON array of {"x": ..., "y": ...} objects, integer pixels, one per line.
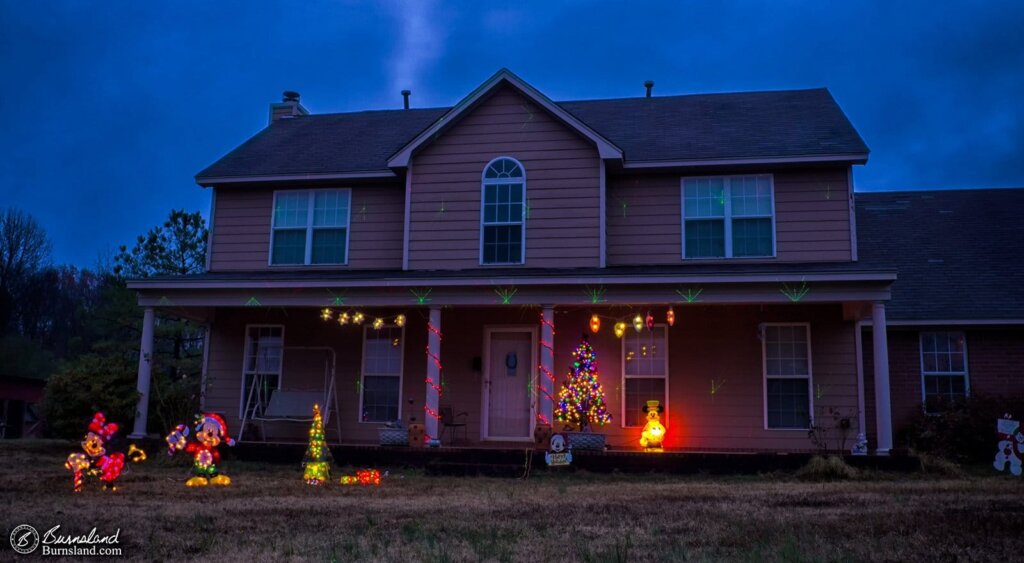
[{"x": 300, "y": 289}]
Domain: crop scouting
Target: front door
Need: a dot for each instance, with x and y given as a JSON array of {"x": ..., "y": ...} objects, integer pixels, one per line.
[{"x": 508, "y": 383}]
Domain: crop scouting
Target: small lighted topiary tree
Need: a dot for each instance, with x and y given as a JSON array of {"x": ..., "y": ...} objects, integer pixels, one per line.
[
  {"x": 318, "y": 459},
  {"x": 581, "y": 400}
]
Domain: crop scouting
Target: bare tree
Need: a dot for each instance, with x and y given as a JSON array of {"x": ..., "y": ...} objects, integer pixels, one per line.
[{"x": 24, "y": 249}]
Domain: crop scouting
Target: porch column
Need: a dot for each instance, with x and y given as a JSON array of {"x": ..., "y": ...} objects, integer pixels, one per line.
[
  {"x": 145, "y": 368},
  {"x": 547, "y": 364},
  {"x": 883, "y": 406},
  {"x": 433, "y": 372}
]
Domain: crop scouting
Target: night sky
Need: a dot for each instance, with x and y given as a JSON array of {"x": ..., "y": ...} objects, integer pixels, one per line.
[{"x": 108, "y": 109}]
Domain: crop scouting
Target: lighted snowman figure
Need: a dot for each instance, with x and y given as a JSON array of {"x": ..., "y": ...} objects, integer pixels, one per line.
[{"x": 654, "y": 432}]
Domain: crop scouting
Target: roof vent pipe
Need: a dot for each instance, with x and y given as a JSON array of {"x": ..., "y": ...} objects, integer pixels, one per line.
[
  {"x": 290, "y": 96},
  {"x": 649, "y": 84},
  {"x": 405, "y": 98}
]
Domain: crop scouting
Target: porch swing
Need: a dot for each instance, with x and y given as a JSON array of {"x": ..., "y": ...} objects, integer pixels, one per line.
[{"x": 265, "y": 402}]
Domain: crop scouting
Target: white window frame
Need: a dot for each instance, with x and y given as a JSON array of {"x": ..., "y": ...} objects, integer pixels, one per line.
[
  {"x": 622, "y": 361},
  {"x": 765, "y": 377},
  {"x": 484, "y": 182},
  {"x": 727, "y": 215},
  {"x": 245, "y": 361},
  {"x": 310, "y": 201},
  {"x": 363, "y": 374},
  {"x": 965, "y": 372}
]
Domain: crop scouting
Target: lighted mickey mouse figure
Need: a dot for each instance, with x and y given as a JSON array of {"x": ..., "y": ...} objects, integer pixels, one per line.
[
  {"x": 653, "y": 433},
  {"x": 211, "y": 431},
  {"x": 97, "y": 456}
]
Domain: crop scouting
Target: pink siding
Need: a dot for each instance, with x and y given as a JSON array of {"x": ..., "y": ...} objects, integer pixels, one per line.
[
  {"x": 719, "y": 343},
  {"x": 241, "y": 238},
  {"x": 562, "y": 191},
  {"x": 304, "y": 370},
  {"x": 812, "y": 220}
]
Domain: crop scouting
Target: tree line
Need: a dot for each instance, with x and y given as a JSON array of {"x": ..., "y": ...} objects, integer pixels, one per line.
[{"x": 78, "y": 329}]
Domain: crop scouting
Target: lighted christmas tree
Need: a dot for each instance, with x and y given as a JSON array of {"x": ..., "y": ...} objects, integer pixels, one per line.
[
  {"x": 318, "y": 456},
  {"x": 581, "y": 400}
]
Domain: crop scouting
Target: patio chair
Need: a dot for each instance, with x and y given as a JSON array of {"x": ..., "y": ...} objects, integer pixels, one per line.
[{"x": 452, "y": 422}]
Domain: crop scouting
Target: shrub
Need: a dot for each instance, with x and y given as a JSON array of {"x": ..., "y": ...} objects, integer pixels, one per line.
[
  {"x": 939, "y": 466},
  {"x": 826, "y": 468},
  {"x": 965, "y": 432},
  {"x": 88, "y": 384}
]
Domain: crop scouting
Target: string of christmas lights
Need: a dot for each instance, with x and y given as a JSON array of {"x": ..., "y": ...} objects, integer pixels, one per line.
[
  {"x": 355, "y": 317},
  {"x": 436, "y": 386},
  {"x": 639, "y": 322},
  {"x": 549, "y": 346}
]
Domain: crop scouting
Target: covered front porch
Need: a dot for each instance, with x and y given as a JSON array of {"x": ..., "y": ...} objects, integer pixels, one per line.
[{"x": 499, "y": 349}]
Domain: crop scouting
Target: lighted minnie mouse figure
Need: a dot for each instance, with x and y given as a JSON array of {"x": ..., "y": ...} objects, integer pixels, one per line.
[
  {"x": 211, "y": 430},
  {"x": 97, "y": 456}
]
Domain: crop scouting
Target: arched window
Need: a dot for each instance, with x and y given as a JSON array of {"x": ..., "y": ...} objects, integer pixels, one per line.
[{"x": 503, "y": 212}]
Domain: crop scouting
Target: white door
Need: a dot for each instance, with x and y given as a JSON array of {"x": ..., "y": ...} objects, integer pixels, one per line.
[{"x": 508, "y": 383}]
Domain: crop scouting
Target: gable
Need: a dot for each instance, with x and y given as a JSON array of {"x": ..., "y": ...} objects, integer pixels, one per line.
[
  {"x": 563, "y": 187},
  {"x": 502, "y": 80}
]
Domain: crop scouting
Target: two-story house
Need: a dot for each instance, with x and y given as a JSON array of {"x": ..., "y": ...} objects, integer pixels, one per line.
[{"x": 427, "y": 262}]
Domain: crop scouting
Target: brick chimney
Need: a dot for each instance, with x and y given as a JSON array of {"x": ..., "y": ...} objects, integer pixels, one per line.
[{"x": 288, "y": 107}]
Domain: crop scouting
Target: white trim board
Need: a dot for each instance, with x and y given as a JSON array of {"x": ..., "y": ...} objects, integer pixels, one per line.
[
  {"x": 856, "y": 158},
  {"x": 522, "y": 281},
  {"x": 209, "y": 182},
  {"x": 950, "y": 322}
]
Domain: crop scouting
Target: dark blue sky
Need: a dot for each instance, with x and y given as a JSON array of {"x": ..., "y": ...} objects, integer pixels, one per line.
[{"x": 108, "y": 109}]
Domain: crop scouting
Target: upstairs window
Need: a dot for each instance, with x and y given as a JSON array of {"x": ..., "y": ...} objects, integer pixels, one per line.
[
  {"x": 728, "y": 217},
  {"x": 310, "y": 227},
  {"x": 943, "y": 369},
  {"x": 503, "y": 212}
]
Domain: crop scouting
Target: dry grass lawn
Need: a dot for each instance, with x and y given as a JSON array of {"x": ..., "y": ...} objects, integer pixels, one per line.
[{"x": 270, "y": 515}]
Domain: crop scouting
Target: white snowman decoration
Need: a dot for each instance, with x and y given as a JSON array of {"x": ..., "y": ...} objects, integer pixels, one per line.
[{"x": 1011, "y": 445}]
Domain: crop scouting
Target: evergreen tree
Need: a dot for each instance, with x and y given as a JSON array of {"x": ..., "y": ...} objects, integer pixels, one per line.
[
  {"x": 581, "y": 400},
  {"x": 317, "y": 462}
]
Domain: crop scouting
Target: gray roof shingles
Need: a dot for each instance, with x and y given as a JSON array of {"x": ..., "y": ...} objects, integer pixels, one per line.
[
  {"x": 958, "y": 254},
  {"x": 792, "y": 123}
]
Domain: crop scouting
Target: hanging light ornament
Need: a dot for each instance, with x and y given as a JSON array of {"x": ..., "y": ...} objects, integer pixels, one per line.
[
  {"x": 670, "y": 317},
  {"x": 650, "y": 321},
  {"x": 400, "y": 321},
  {"x": 326, "y": 313},
  {"x": 358, "y": 318},
  {"x": 595, "y": 323},
  {"x": 378, "y": 323},
  {"x": 620, "y": 329},
  {"x": 638, "y": 322},
  {"x": 343, "y": 319}
]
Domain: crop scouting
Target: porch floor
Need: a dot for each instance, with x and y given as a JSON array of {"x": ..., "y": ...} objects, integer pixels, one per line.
[{"x": 516, "y": 460}]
